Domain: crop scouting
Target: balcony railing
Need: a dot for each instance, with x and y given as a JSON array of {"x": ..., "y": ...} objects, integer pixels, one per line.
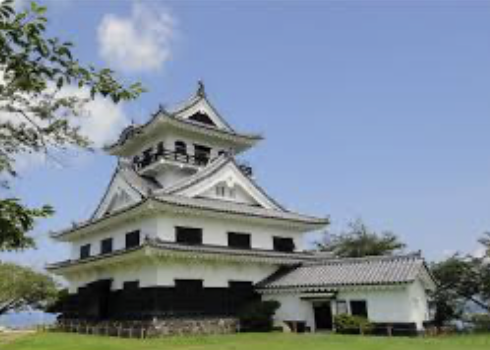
[{"x": 181, "y": 157}]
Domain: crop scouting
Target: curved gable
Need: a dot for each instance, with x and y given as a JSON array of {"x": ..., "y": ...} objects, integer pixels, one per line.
[{"x": 222, "y": 182}]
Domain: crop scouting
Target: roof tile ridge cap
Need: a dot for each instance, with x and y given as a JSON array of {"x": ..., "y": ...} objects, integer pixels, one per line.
[{"x": 362, "y": 259}]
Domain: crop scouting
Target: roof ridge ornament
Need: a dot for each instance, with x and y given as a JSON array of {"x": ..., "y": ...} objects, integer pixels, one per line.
[{"x": 201, "y": 91}]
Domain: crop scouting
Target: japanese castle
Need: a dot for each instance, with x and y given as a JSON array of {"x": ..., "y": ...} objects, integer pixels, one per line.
[{"x": 183, "y": 230}]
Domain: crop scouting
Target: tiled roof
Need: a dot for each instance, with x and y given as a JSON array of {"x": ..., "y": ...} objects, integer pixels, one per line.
[
  {"x": 334, "y": 273},
  {"x": 199, "y": 251},
  {"x": 292, "y": 258},
  {"x": 211, "y": 169},
  {"x": 145, "y": 185},
  {"x": 228, "y": 207}
]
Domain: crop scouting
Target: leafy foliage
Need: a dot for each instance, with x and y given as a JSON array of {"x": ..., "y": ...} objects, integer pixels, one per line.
[
  {"x": 481, "y": 322},
  {"x": 348, "y": 324},
  {"x": 38, "y": 113},
  {"x": 21, "y": 287},
  {"x": 257, "y": 316},
  {"x": 360, "y": 241},
  {"x": 462, "y": 280}
]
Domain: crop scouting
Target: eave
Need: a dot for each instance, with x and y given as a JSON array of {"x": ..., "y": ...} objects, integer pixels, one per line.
[
  {"x": 156, "y": 249},
  {"x": 161, "y": 120},
  {"x": 181, "y": 205}
]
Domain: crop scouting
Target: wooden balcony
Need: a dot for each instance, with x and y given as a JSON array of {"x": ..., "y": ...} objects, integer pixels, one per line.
[
  {"x": 140, "y": 163},
  {"x": 179, "y": 157}
]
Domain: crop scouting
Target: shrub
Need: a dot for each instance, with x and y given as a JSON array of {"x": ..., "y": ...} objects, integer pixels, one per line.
[
  {"x": 347, "y": 324},
  {"x": 257, "y": 316},
  {"x": 480, "y": 322}
]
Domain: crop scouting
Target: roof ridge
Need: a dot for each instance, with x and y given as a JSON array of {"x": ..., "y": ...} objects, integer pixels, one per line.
[{"x": 370, "y": 258}]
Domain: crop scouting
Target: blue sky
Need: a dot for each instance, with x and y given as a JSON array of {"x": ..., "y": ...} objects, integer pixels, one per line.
[{"x": 372, "y": 109}]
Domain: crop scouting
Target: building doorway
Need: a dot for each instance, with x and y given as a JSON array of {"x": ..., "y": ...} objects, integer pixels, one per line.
[{"x": 323, "y": 316}]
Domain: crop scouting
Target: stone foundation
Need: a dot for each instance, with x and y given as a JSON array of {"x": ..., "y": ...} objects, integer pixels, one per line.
[{"x": 153, "y": 328}]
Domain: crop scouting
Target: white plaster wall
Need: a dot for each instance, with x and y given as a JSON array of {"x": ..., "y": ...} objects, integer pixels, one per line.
[
  {"x": 212, "y": 274},
  {"x": 171, "y": 175},
  {"x": 240, "y": 196},
  {"x": 164, "y": 273},
  {"x": 215, "y": 231},
  {"x": 146, "y": 225},
  {"x": 404, "y": 304}
]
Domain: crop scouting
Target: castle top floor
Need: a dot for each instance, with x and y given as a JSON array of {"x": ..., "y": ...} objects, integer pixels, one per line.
[{"x": 188, "y": 136}]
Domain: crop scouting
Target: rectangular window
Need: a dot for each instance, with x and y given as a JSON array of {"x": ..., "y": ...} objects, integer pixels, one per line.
[
  {"x": 202, "y": 153},
  {"x": 239, "y": 240},
  {"x": 283, "y": 244},
  {"x": 85, "y": 251},
  {"x": 188, "y": 235},
  {"x": 342, "y": 307},
  {"x": 220, "y": 191},
  {"x": 132, "y": 239},
  {"x": 358, "y": 308},
  {"x": 106, "y": 246}
]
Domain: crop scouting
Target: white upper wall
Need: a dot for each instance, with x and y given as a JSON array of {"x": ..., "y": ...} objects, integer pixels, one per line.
[
  {"x": 215, "y": 232},
  {"x": 150, "y": 273}
]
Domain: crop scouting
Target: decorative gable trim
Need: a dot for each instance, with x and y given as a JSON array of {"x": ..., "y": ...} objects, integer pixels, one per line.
[
  {"x": 117, "y": 188},
  {"x": 225, "y": 170},
  {"x": 203, "y": 106}
]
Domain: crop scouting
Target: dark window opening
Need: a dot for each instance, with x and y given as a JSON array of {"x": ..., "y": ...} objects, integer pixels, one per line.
[
  {"x": 160, "y": 148},
  {"x": 131, "y": 285},
  {"x": 202, "y": 118},
  {"x": 189, "y": 296},
  {"x": 147, "y": 157},
  {"x": 106, "y": 246},
  {"x": 282, "y": 244},
  {"x": 358, "y": 308},
  {"x": 180, "y": 147},
  {"x": 239, "y": 240},
  {"x": 188, "y": 235},
  {"x": 202, "y": 154},
  {"x": 85, "y": 251},
  {"x": 132, "y": 239}
]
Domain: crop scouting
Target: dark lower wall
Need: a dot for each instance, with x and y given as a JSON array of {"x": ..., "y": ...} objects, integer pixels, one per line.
[{"x": 97, "y": 302}]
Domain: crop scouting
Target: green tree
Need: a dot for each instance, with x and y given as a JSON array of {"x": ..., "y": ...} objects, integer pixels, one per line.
[
  {"x": 21, "y": 287},
  {"x": 40, "y": 106},
  {"x": 462, "y": 280},
  {"x": 359, "y": 241}
]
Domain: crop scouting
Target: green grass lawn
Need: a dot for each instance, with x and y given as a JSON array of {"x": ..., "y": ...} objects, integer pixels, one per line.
[{"x": 274, "y": 341}]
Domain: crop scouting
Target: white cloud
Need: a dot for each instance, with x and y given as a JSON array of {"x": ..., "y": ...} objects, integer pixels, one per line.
[
  {"x": 140, "y": 42},
  {"x": 101, "y": 122}
]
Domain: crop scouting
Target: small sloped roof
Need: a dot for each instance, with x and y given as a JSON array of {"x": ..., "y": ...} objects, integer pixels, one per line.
[
  {"x": 213, "y": 168},
  {"x": 143, "y": 185},
  {"x": 173, "y": 117},
  {"x": 211, "y": 252},
  {"x": 239, "y": 208},
  {"x": 335, "y": 273}
]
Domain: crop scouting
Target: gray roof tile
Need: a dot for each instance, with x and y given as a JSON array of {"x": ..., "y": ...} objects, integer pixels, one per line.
[{"x": 349, "y": 272}]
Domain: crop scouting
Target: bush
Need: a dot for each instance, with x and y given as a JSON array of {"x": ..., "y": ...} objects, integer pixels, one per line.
[
  {"x": 257, "y": 316},
  {"x": 481, "y": 322},
  {"x": 347, "y": 324}
]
